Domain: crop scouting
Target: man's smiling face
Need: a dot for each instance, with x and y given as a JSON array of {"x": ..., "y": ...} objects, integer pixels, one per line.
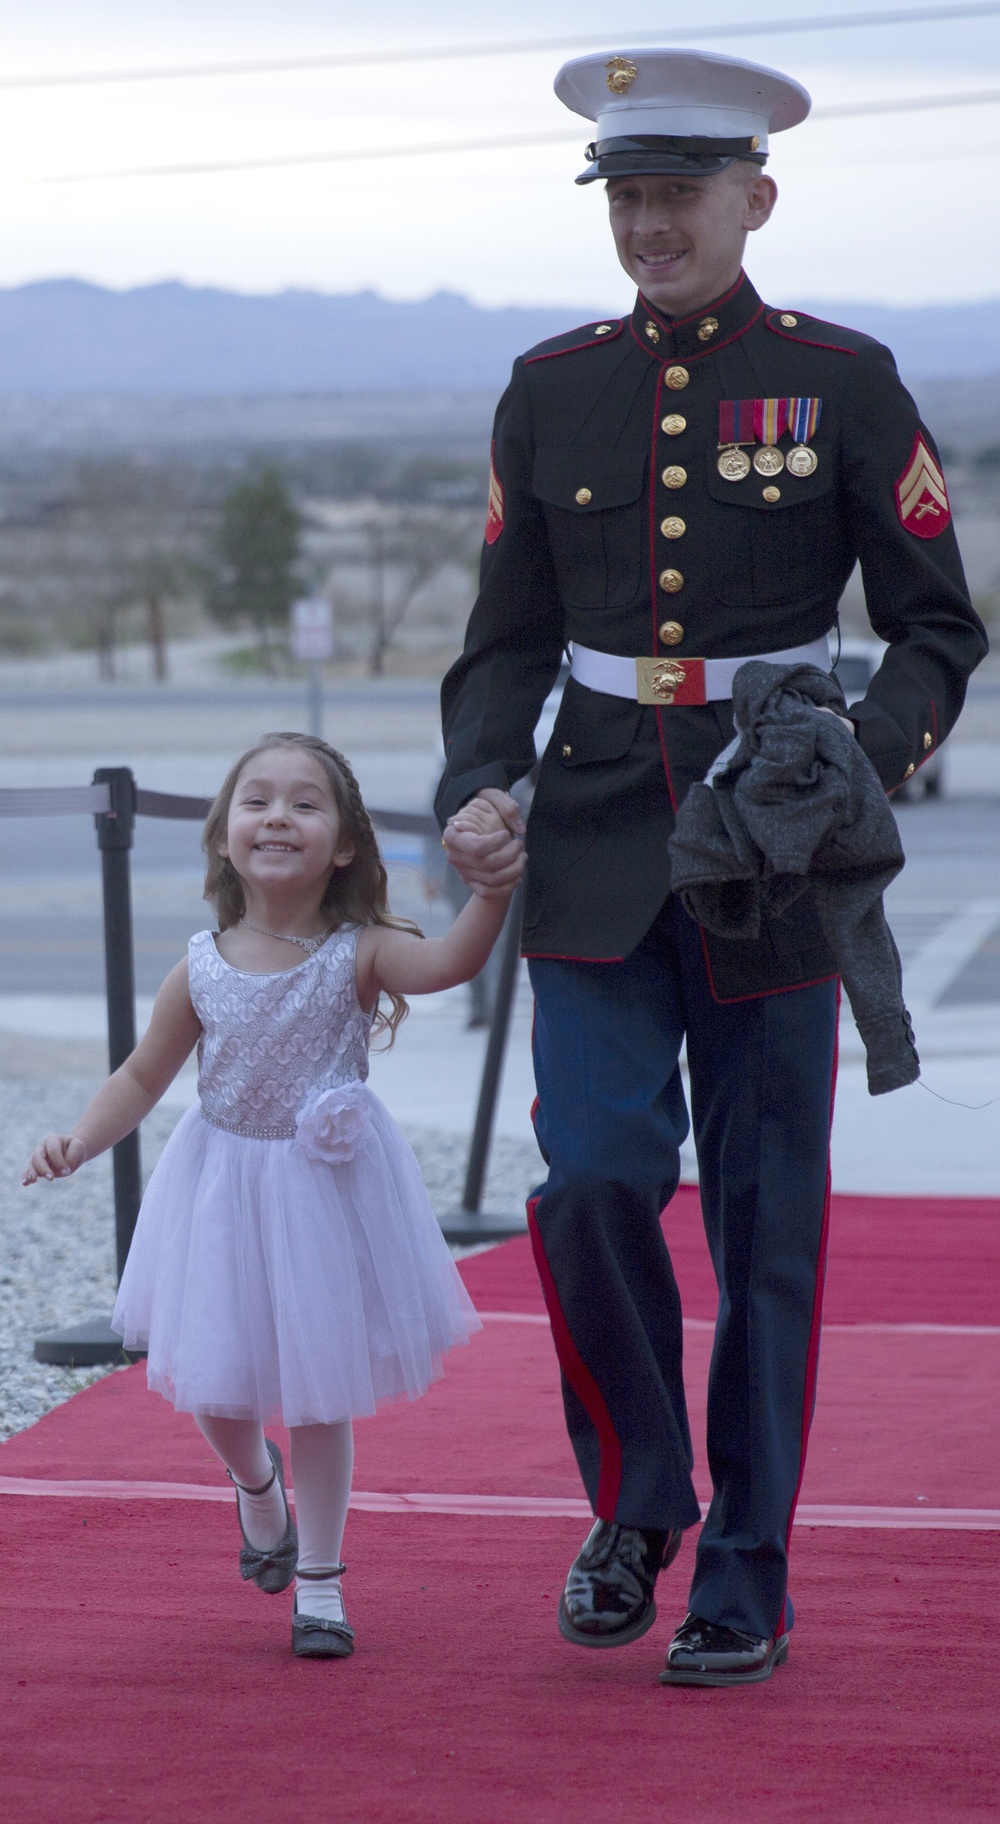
[{"x": 681, "y": 238}]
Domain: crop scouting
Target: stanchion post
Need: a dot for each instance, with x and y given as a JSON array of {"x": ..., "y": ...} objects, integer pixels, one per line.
[
  {"x": 470, "y": 1224},
  {"x": 94, "y": 1342},
  {"x": 115, "y": 829}
]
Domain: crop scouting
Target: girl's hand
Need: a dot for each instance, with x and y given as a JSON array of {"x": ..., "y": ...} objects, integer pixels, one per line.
[
  {"x": 58, "y": 1156},
  {"x": 483, "y": 842}
]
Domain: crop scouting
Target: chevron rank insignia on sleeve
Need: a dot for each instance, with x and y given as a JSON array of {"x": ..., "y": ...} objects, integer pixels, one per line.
[
  {"x": 494, "y": 512},
  {"x": 921, "y": 496}
]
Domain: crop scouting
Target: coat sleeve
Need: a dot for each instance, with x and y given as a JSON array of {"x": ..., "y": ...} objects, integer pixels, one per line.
[
  {"x": 915, "y": 588},
  {"x": 492, "y": 696}
]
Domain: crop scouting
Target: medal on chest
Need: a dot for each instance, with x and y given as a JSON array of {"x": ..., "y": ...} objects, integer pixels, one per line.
[
  {"x": 803, "y": 417},
  {"x": 770, "y": 417},
  {"x": 762, "y": 423},
  {"x": 735, "y": 428}
]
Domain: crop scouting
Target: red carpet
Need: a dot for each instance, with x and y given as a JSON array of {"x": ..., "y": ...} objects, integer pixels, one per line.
[
  {"x": 143, "y": 1682},
  {"x": 892, "y": 1260}
]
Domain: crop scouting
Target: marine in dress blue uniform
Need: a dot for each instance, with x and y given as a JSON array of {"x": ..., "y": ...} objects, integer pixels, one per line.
[{"x": 667, "y": 498}]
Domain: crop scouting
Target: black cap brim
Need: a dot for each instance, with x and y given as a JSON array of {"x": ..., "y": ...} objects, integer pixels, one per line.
[{"x": 663, "y": 157}]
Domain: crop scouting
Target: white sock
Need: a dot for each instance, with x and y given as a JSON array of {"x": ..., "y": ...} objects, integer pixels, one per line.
[
  {"x": 240, "y": 1445},
  {"x": 323, "y": 1599},
  {"x": 322, "y": 1465}
]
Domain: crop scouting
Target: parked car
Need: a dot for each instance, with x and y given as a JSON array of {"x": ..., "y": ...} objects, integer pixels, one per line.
[{"x": 858, "y": 662}]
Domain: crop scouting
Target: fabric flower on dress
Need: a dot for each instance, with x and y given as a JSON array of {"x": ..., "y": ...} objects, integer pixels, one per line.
[{"x": 333, "y": 1124}]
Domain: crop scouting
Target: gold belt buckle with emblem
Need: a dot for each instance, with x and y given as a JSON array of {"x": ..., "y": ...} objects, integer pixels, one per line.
[{"x": 659, "y": 680}]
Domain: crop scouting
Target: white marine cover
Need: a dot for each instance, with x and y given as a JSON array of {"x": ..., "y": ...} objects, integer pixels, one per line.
[{"x": 690, "y": 94}]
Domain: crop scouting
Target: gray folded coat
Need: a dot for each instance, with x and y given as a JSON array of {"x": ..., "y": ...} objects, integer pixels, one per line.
[{"x": 794, "y": 805}]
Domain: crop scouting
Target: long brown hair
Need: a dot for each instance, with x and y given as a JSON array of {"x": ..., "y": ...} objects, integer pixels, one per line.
[{"x": 356, "y": 894}]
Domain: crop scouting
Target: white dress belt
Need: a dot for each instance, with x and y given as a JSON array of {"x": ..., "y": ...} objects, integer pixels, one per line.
[{"x": 666, "y": 681}]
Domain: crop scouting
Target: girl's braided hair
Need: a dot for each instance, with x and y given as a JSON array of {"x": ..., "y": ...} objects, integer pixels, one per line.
[{"x": 355, "y": 894}]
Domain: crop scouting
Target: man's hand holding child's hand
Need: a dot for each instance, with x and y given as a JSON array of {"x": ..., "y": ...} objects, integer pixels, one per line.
[{"x": 484, "y": 842}]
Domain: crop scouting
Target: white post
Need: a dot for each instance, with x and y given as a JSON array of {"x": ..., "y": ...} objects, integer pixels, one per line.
[{"x": 312, "y": 644}]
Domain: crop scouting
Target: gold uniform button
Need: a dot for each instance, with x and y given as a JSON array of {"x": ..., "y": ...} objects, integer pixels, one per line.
[
  {"x": 788, "y": 321},
  {"x": 677, "y": 378},
  {"x": 672, "y": 581},
  {"x": 671, "y": 633},
  {"x": 567, "y": 751},
  {"x": 772, "y": 494},
  {"x": 602, "y": 329},
  {"x": 673, "y": 424},
  {"x": 674, "y": 476},
  {"x": 928, "y": 742},
  {"x": 583, "y": 497},
  {"x": 672, "y": 527},
  {"x": 911, "y": 769}
]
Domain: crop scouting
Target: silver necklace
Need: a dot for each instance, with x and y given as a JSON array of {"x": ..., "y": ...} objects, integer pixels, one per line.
[{"x": 309, "y": 944}]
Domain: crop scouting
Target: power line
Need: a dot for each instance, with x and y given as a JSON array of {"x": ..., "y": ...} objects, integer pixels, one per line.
[
  {"x": 908, "y": 104},
  {"x": 442, "y": 148},
  {"x": 377, "y": 59}
]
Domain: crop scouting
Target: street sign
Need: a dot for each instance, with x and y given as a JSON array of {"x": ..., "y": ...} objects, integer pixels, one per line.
[{"x": 312, "y": 630}]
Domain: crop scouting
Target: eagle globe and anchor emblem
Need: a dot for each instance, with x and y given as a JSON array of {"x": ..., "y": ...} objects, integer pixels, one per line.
[
  {"x": 621, "y": 75},
  {"x": 666, "y": 678}
]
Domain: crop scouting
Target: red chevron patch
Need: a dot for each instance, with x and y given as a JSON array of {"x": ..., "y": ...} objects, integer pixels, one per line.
[
  {"x": 921, "y": 496},
  {"x": 494, "y": 512}
]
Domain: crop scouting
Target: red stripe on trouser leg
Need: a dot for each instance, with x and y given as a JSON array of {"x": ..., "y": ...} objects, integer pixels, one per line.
[
  {"x": 812, "y": 1353},
  {"x": 580, "y": 1379}
]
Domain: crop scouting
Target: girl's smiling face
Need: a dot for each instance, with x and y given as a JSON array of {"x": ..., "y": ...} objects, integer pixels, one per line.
[{"x": 283, "y": 830}]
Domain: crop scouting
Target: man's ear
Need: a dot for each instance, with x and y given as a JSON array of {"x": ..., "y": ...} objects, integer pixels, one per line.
[{"x": 761, "y": 198}]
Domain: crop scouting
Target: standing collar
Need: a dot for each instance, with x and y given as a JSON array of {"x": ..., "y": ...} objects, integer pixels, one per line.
[{"x": 692, "y": 338}]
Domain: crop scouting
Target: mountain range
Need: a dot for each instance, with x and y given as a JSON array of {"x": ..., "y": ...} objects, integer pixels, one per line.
[{"x": 67, "y": 337}]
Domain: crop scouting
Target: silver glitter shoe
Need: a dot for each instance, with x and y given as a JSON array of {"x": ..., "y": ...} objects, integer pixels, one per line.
[
  {"x": 272, "y": 1571},
  {"x": 313, "y": 1636}
]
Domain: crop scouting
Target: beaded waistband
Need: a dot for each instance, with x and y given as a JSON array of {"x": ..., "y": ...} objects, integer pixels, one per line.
[{"x": 248, "y": 1130}]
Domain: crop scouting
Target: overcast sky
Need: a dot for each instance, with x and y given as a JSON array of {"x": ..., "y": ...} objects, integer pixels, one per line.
[{"x": 899, "y": 208}]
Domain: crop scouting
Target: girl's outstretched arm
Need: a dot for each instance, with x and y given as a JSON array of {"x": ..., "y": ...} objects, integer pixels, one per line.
[
  {"x": 127, "y": 1096},
  {"x": 403, "y": 964}
]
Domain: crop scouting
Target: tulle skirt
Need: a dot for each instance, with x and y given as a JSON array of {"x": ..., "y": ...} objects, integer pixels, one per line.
[{"x": 266, "y": 1284}]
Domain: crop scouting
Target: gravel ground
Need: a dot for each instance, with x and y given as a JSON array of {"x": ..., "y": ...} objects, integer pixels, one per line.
[{"x": 57, "y": 1241}]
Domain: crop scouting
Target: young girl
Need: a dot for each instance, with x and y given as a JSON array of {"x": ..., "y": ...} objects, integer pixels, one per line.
[{"x": 286, "y": 1259}]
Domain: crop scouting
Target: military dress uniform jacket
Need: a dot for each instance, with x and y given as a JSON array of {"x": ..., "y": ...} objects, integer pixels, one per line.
[{"x": 610, "y": 524}]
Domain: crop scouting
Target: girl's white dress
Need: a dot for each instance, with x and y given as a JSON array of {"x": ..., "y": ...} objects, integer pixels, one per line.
[{"x": 286, "y": 1260}]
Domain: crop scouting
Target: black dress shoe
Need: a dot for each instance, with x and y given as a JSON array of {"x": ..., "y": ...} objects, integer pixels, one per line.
[
  {"x": 608, "y": 1599},
  {"x": 703, "y": 1653}
]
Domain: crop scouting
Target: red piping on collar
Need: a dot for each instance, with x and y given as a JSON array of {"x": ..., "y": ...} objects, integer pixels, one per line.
[
  {"x": 595, "y": 342},
  {"x": 716, "y": 304},
  {"x": 702, "y": 354}
]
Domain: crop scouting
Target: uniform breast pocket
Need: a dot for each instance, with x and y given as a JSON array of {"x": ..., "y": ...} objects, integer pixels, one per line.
[
  {"x": 778, "y": 536},
  {"x": 593, "y": 511}
]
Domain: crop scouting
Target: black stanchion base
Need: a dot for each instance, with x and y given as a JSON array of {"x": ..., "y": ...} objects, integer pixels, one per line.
[
  {"x": 464, "y": 1228},
  {"x": 90, "y": 1345}
]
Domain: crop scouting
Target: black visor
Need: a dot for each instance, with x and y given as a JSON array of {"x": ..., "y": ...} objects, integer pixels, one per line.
[{"x": 666, "y": 156}]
